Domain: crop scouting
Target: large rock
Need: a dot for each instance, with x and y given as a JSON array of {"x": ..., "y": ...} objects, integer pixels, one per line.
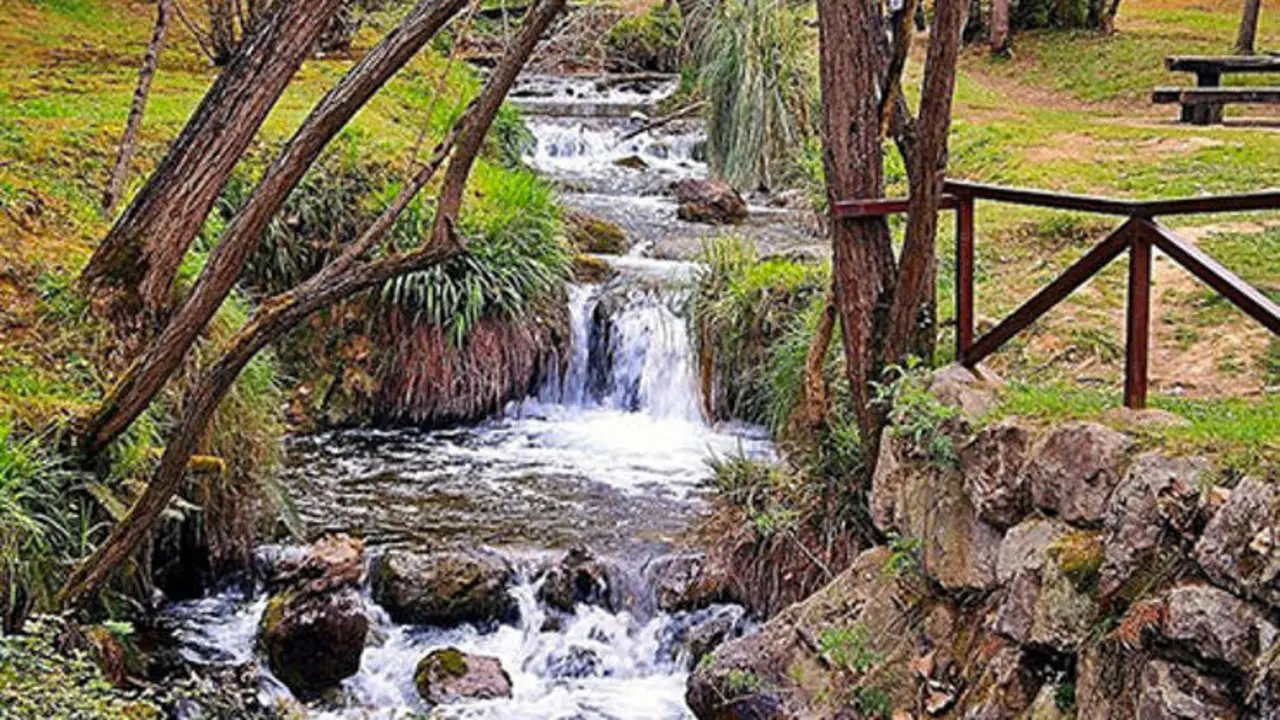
[
  {"x": 1153, "y": 506},
  {"x": 1263, "y": 698},
  {"x": 919, "y": 500},
  {"x": 973, "y": 392},
  {"x": 709, "y": 201},
  {"x": 1072, "y": 472},
  {"x": 444, "y": 588},
  {"x": 782, "y": 671},
  {"x": 593, "y": 234},
  {"x": 694, "y": 634},
  {"x": 992, "y": 465},
  {"x": 1240, "y": 547},
  {"x": 578, "y": 578},
  {"x": 1006, "y": 687},
  {"x": 1214, "y": 625},
  {"x": 1180, "y": 692},
  {"x": 313, "y": 630},
  {"x": 1042, "y": 603},
  {"x": 685, "y": 581},
  {"x": 448, "y": 676}
]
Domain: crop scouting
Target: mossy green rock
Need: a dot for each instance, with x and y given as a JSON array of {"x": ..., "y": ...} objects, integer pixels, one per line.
[
  {"x": 593, "y": 234},
  {"x": 444, "y": 588},
  {"x": 449, "y": 675}
]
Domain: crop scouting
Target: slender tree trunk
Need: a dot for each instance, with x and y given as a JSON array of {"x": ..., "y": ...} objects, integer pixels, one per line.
[
  {"x": 863, "y": 266},
  {"x": 343, "y": 278},
  {"x": 999, "y": 27},
  {"x": 1248, "y": 27},
  {"x": 149, "y": 372},
  {"x": 137, "y": 261},
  {"x": 129, "y": 143},
  {"x": 913, "y": 318},
  {"x": 812, "y": 411}
]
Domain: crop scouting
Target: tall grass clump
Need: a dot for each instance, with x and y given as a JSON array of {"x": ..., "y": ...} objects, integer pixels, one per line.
[
  {"x": 742, "y": 307},
  {"x": 758, "y": 74}
]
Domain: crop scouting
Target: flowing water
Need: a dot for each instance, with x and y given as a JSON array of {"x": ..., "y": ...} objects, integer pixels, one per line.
[{"x": 610, "y": 455}]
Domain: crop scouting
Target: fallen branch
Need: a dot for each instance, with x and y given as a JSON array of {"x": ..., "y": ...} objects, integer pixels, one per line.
[{"x": 683, "y": 112}]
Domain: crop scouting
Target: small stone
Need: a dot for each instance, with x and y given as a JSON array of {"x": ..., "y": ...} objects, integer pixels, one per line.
[
  {"x": 449, "y": 675},
  {"x": 632, "y": 162},
  {"x": 1072, "y": 472}
]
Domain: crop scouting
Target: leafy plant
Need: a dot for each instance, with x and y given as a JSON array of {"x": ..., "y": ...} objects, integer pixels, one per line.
[
  {"x": 849, "y": 647},
  {"x": 916, "y": 414}
]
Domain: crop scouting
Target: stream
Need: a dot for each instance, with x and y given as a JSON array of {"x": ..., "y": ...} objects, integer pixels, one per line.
[{"x": 609, "y": 456}]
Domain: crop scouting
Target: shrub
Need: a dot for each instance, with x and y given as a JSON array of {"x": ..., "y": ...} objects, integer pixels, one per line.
[{"x": 650, "y": 41}]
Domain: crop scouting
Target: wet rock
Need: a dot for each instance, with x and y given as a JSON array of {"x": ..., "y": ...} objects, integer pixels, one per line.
[
  {"x": 448, "y": 676},
  {"x": 685, "y": 581},
  {"x": 697, "y": 633},
  {"x": 993, "y": 478},
  {"x": 777, "y": 671},
  {"x": 578, "y": 578},
  {"x": 714, "y": 202},
  {"x": 919, "y": 500},
  {"x": 1215, "y": 625},
  {"x": 1072, "y": 472},
  {"x": 593, "y": 234},
  {"x": 592, "y": 270},
  {"x": 974, "y": 392},
  {"x": 1154, "y": 504},
  {"x": 444, "y": 588},
  {"x": 314, "y": 628},
  {"x": 632, "y": 162},
  {"x": 575, "y": 662},
  {"x": 1240, "y": 547}
]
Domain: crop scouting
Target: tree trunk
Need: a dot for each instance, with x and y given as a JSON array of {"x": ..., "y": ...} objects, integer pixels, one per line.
[
  {"x": 341, "y": 279},
  {"x": 1248, "y": 27},
  {"x": 137, "y": 261},
  {"x": 999, "y": 27},
  {"x": 148, "y": 374},
  {"x": 129, "y": 143},
  {"x": 812, "y": 410},
  {"x": 913, "y": 318},
  {"x": 863, "y": 264}
]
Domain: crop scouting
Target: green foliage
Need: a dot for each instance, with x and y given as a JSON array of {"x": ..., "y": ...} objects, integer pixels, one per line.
[
  {"x": 514, "y": 257},
  {"x": 742, "y": 308},
  {"x": 916, "y": 414},
  {"x": 758, "y": 74},
  {"x": 849, "y": 647},
  {"x": 649, "y": 41},
  {"x": 904, "y": 555},
  {"x": 872, "y": 701},
  {"x": 1064, "y": 697},
  {"x": 738, "y": 683}
]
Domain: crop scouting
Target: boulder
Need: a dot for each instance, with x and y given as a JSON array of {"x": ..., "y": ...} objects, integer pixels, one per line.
[
  {"x": 684, "y": 582},
  {"x": 578, "y": 578},
  {"x": 574, "y": 662},
  {"x": 314, "y": 628},
  {"x": 714, "y": 202},
  {"x": 694, "y": 634},
  {"x": 1214, "y": 625},
  {"x": 1154, "y": 504},
  {"x": 992, "y": 465},
  {"x": 449, "y": 676},
  {"x": 1072, "y": 472},
  {"x": 1005, "y": 687},
  {"x": 1240, "y": 547},
  {"x": 591, "y": 270},
  {"x": 1263, "y": 698},
  {"x": 593, "y": 234},
  {"x": 974, "y": 392},
  {"x": 1040, "y": 603},
  {"x": 1174, "y": 691},
  {"x": 444, "y": 588}
]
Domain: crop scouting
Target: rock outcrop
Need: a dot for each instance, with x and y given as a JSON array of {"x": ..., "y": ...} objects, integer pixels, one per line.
[
  {"x": 1036, "y": 573},
  {"x": 714, "y": 202},
  {"x": 313, "y": 630},
  {"x": 449, "y": 676},
  {"x": 444, "y": 588}
]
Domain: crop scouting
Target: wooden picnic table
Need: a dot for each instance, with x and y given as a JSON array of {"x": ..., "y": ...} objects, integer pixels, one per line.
[{"x": 1205, "y": 106}]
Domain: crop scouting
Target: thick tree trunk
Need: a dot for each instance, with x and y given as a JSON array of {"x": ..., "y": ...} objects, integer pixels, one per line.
[
  {"x": 913, "y": 318},
  {"x": 129, "y": 143},
  {"x": 1248, "y": 27},
  {"x": 863, "y": 267},
  {"x": 999, "y": 27},
  {"x": 137, "y": 261},
  {"x": 148, "y": 374},
  {"x": 343, "y": 278}
]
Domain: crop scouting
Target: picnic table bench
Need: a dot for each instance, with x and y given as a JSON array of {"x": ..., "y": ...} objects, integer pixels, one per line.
[{"x": 1202, "y": 105}]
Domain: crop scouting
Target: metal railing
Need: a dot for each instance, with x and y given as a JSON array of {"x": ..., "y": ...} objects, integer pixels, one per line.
[{"x": 1138, "y": 234}]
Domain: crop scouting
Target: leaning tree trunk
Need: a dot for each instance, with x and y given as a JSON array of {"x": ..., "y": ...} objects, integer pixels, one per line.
[
  {"x": 1248, "y": 27},
  {"x": 346, "y": 276},
  {"x": 129, "y": 143},
  {"x": 139, "y": 258},
  {"x": 147, "y": 375},
  {"x": 863, "y": 265}
]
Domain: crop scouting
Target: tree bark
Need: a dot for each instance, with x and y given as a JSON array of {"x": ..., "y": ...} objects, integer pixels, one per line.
[
  {"x": 863, "y": 264},
  {"x": 812, "y": 411},
  {"x": 999, "y": 27},
  {"x": 129, "y": 143},
  {"x": 1248, "y": 27},
  {"x": 343, "y": 278},
  {"x": 148, "y": 374},
  {"x": 913, "y": 317},
  {"x": 140, "y": 256}
]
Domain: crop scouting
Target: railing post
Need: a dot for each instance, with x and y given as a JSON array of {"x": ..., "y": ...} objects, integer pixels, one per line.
[
  {"x": 1138, "y": 322},
  {"x": 964, "y": 277}
]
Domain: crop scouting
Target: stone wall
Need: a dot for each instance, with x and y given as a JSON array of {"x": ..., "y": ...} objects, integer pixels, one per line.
[{"x": 1047, "y": 572}]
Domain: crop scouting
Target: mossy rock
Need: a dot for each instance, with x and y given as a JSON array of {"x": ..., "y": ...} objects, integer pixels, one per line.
[
  {"x": 593, "y": 234},
  {"x": 1079, "y": 556},
  {"x": 449, "y": 675},
  {"x": 592, "y": 270},
  {"x": 649, "y": 42}
]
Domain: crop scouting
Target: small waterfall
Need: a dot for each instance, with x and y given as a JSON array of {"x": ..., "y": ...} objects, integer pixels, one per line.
[{"x": 631, "y": 352}]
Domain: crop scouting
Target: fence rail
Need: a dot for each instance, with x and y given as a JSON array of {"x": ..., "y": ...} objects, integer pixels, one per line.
[{"x": 1137, "y": 235}]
